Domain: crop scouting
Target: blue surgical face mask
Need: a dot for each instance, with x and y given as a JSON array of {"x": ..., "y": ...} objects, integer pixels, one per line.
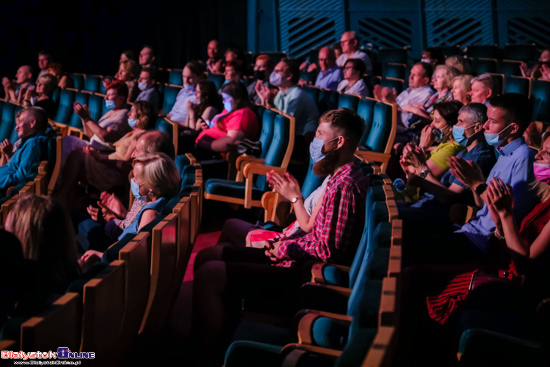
[
  {"x": 458, "y": 135},
  {"x": 135, "y": 189},
  {"x": 227, "y": 99},
  {"x": 275, "y": 79},
  {"x": 109, "y": 105},
  {"x": 316, "y": 149},
  {"x": 132, "y": 122},
  {"x": 492, "y": 139},
  {"x": 142, "y": 86}
]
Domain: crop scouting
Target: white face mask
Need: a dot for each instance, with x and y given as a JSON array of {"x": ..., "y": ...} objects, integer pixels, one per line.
[{"x": 275, "y": 79}]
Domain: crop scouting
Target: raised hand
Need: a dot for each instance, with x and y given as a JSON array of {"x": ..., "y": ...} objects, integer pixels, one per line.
[
  {"x": 467, "y": 172},
  {"x": 501, "y": 196},
  {"x": 286, "y": 185},
  {"x": 113, "y": 204}
]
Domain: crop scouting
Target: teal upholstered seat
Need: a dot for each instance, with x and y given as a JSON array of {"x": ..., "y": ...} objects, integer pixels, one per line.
[
  {"x": 328, "y": 100},
  {"x": 218, "y": 79},
  {"x": 65, "y": 110},
  {"x": 76, "y": 121},
  {"x": 394, "y": 70},
  {"x": 169, "y": 97},
  {"x": 78, "y": 81},
  {"x": 95, "y": 106},
  {"x": 175, "y": 77},
  {"x": 482, "y": 66},
  {"x": 92, "y": 83},
  {"x": 365, "y": 109},
  {"x": 540, "y": 96},
  {"x": 7, "y": 121},
  {"x": 348, "y": 100},
  {"x": 518, "y": 84},
  {"x": 395, "y": 55}
]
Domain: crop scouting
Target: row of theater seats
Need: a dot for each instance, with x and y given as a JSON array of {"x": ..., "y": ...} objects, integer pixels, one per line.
[
  {"x": 349, "y": 314},
  {"x": 128, "y": 296}
]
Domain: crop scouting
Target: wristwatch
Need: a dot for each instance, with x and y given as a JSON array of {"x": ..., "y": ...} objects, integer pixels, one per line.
[
  {"x": 425, "y": 173},
  {"x": 480, "y": 189},
  {"x": 295, "y": 199}
]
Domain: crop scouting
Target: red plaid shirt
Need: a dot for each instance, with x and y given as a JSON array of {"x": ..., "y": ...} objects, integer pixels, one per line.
[{"x": 339, "y": 223}]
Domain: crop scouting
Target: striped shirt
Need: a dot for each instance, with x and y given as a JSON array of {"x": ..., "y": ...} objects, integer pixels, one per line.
[{"x": 338, "y": 225}]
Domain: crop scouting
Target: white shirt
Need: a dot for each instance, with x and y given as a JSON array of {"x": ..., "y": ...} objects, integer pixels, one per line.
[
  {"x": 408, "y": 97},
  {"x": 359, "y": 88},
  {"x": 341, "y": 60}
]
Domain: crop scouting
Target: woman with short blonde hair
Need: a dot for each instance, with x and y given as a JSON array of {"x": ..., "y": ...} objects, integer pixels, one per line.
[{"x": 461, "y": 87}]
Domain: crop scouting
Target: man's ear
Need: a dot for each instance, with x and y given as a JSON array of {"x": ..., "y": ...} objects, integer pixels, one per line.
[
  {"x": 33, "y": 123},
  {"x": 489, "y": 92},
  {"x": 478, "y": 128},
  {"x": 514, "y": 128}
]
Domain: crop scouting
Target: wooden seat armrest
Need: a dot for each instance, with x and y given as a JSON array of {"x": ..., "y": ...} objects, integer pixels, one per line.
[
  {"x": 307, "y": 321},
  {"x": 243, "y": 159},
  {"x": 317, "y": 271},
  {"x": 252, "y": 169},
  {"x": 331, "y": 353}
]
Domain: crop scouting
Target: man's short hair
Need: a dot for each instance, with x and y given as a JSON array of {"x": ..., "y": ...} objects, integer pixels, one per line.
[
  {"x": 152, "y": 72},
  {"x": 196, "y": 67},
  {"x": 158, "y": 142},
  {"x": 428, "y": 69},
  {"x": 517, "y": 107},
  {"x": 476, "y": 111},
  {"x": 150, "y": 48},
  {"x": 38, "y": 114},
  {"x": 293, "y": 68},
  {"x": 485, "y": 79},
  {"x": 348, "y": 121}
]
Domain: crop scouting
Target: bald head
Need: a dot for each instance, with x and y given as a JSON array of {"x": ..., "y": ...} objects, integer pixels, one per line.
[
  {"x": 23, "y": 75},
  {"x": 213, "y": 48},
  {"x": 154, "y": 142},
  {"x": 327, "y": 58}
]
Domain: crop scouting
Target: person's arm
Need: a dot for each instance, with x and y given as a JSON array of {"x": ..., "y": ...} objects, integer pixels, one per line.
[
  {"x": 223, "y": 144},
  {"x": 339, "y": 218},
  {"x": 23, "y": 165},
  {"x": 6, "y": 147},
  {"x": 265, "y": 95},
  {"x": 470, "y": 175},
  {"x": 147, "y": 217}
]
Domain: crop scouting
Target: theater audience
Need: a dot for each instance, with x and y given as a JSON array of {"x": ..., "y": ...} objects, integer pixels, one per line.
[
  {"x": 126, "y": 55},
  {"x": 461, "y": 88},
  {"x": 147, "y": 57},
  {"x": 192, "y": 74},
  {"x": 482, "y": 89},
  {"x": 147, "y": 85},
  {"x": 157, "y": 180},
  {"x": 207, "y": 104},
  {"x": 330, "y": 75},
  {"x": 350, "y": 50},
  {"x": 226, "y": 274},
  {"x": 233, "y": 71},
  {"x": 442, "y": 83},
  {"x": 112, "y": 126},
  {"x": 44, "y": 60},
  {"x": 127, "y": 72},
  {"x": 25, "y": 156},
  {"x": 111, "y": 217},
  {"x": 104, "y": 172},
  {"x": 263, "y": 68},
  {"x": 236, "y": 122},
  {"x": 540, "y": 69},
  {"x": 508, "y": 116},
  {"x": 63, "y": 80},
  {"x": 290, "y": 99},
  {"x": 41, "y": 95},
  {"x": 214, "y": 62},
  {"x": 417, "y": 94},
  {"x": 15, "y": 90},
  {"x": 353, "y": 82},
  {"x": 458, "y": 63},
  {"x": 440, "y": 131}
]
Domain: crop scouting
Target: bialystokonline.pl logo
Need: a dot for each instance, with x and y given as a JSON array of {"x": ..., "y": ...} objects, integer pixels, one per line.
[{"x": 62, "y": 356}]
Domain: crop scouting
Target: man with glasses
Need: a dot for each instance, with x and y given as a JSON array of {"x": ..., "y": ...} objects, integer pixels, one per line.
[
  {"x": 330, "y": 74},
  {"x": 350, "y": 50}
]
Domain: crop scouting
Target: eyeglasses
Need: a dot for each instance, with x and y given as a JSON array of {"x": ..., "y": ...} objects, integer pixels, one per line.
[{"x": 344, "y": 41}]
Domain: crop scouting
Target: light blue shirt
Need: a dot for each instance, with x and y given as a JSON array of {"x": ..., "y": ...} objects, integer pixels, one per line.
[
  {"x": 515, "y": 167},
  {"x": 150, "y": 95},
  {"x": 179, "y": 111},
  {"x": 330, "y": 78},
  {"x": 297, "y": 103}
]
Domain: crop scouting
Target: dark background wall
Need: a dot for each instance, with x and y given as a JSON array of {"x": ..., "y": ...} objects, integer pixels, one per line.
[{"x": 89, "y": 35}]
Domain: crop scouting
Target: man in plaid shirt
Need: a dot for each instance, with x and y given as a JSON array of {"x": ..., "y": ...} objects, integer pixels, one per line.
[
  {"x": 339, "y": 223},
  {"x": 227, "y": 273}
]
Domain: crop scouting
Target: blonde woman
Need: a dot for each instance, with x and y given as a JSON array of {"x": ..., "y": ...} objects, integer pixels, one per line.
[
  {"x": 45, "y": 231},
  {"x": 462, "y": 85},
  {"x": 156, "y": 180},
  {"x": 41, "y": 95}
]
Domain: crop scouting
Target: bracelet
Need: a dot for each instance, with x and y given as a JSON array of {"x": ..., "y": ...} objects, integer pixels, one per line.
[{"x": 497, "y": 236}]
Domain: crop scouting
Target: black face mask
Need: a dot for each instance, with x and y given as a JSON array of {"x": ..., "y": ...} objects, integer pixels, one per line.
[{"x": 259, "y": 74}]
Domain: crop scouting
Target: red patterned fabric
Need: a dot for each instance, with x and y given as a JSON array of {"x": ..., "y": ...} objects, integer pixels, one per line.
[
  {"x": 338, "y": 224},
  {"x": 441, "y": 307}
]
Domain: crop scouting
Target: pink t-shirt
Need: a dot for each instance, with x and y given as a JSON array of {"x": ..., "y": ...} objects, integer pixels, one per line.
[{"x": 243, "y": 119}]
